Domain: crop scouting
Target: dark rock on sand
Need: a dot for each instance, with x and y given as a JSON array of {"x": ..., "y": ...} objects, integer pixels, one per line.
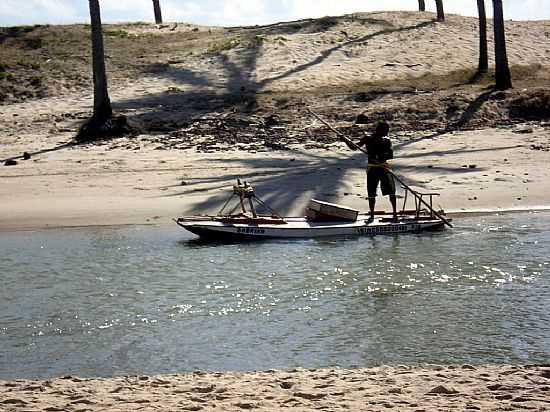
[
  {"x": 442, "y": 390},
  {"x": 272, "y": 120},
  {"x": 362, "y": 119},
  {"x": 287, "y": 385},
  {"x": 526, "y": 130}
]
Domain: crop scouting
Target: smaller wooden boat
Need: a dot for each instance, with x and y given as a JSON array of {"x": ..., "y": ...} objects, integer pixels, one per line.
[{"x": 322, "y": 220}]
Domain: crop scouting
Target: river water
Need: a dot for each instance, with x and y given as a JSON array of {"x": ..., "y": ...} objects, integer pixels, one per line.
[{"x": 148, "y": 300}]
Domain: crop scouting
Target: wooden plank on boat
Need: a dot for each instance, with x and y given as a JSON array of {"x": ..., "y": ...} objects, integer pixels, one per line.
[{"x": 338, "y": 212}]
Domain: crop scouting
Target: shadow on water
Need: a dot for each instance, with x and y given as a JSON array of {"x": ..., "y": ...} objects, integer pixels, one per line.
[{"x": 202, "y": 243}]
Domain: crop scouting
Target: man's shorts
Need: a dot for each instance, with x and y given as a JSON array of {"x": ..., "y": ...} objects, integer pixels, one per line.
[{"x": 380, "y": 175}]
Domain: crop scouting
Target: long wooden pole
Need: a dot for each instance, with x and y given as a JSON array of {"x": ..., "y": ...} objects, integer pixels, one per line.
[{"x": 407, "y": 187}]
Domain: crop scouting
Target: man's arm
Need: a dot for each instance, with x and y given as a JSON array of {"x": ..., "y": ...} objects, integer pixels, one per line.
[
  {"x": 362, "y": 142},
  {"x": 388, "y": 152}
]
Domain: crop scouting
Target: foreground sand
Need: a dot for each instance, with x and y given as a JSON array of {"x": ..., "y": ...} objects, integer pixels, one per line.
[{"x": 403, "y": 388}]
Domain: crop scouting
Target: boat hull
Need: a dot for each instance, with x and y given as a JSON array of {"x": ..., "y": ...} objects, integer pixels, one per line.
[{"x": 300, "y": 228}]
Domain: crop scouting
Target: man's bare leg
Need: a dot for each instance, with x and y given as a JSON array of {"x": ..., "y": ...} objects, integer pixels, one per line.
[
  {"x": 372, "y": 204},
  {"x": 393, "y": 200}
]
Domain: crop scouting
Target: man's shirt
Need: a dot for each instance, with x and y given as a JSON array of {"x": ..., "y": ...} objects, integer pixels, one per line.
[{"x": 379, "y": 149}]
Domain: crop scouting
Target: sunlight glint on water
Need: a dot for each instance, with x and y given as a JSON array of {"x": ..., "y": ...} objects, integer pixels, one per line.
[{"x": 104, "y": 301}]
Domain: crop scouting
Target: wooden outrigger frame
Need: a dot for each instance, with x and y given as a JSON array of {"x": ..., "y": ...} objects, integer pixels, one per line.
[{"x": 245, "y": 193}]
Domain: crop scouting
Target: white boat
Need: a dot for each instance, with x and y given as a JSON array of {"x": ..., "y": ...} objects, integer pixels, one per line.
[
  {"x": 322, "y": 220},
  {"x": 296, "y": 227}
]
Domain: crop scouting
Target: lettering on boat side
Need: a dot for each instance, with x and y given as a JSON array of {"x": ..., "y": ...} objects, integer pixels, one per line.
[
  {"x": 387, "y": 229},
  {"x": 250, "y": 231}
]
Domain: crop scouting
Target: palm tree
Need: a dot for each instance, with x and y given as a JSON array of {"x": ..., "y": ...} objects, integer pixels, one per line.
[
  {"x": 502, "y": 70},
  {"x": 158, "y": 14},
  {"x": 483, "y": 57},
  {"x": 421, "y": 5},
  {"x": 440, "y": 12},
  {"x": 102, "y": 103}
]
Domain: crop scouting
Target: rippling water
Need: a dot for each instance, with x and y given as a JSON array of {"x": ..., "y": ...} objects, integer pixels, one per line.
[{"x": 110, "y": 301}]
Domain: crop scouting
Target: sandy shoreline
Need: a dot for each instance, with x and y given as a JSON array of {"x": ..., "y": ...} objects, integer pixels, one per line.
[
  {"x": 486, "y": 170},
  {"x": 404, "y": 388}
]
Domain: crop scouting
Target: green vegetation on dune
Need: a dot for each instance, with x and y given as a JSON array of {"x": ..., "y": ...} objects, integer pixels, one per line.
[
  {"x": 223, "y": 45},
  {"x": 39, "y": 61},
  {"x": 123, "y": 34}
]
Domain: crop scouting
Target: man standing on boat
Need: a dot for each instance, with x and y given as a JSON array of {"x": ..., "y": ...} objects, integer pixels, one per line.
[{"x": 379, "y": 149}]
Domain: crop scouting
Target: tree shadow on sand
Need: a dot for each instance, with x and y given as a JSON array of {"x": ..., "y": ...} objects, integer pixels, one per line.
[
  {"x": 240, "y": 90},
  {"x": 271, "y": 178},
  {"x": 308, "y": 26},
  {"x": 39, "y": 152},
  {"x": 468, "y": 114},
  {"x": 278, "y": 181}
]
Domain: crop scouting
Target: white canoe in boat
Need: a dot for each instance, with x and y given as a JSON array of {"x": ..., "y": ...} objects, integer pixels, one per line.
[{"x": 219, "y": 228}]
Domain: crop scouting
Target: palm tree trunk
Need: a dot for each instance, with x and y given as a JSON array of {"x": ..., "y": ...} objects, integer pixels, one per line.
[
  {"x": 421, "y": 5},
  {"x": 158, "y": 14},
  {"x": 102, "y": 103},
  {"x": 440, "y": 11},
  {"x": 502, "y": 71},
  {"x": 483, "y": 55}
]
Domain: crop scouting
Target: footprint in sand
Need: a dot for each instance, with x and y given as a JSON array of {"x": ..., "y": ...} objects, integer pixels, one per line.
[
  {"x": 310, "y": 396},
  {"x": 191, "y": 407},
  {"x": 245, "y": 405},
  {"x": 13, "y": 401},
  {"x": 204, "y": 389},
  {"x": 286, "y": 385}
]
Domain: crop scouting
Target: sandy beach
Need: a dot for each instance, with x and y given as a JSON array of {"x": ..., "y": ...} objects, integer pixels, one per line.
[
  {"x": 482, "y": 170},
  {"x": 403, "y": 388},
  {"x": 247, "y": 119}
]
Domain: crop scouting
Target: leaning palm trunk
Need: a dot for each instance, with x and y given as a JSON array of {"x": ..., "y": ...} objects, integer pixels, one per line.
[
  {"x": 102, "y": 104},
  {"x": 502, "y": 70},
  {"x": 421, "y": 5},
  {"x": 158, "y": 14},
  {"x": 483, "y": 55},
  {"x": 440, "y": 11}
]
